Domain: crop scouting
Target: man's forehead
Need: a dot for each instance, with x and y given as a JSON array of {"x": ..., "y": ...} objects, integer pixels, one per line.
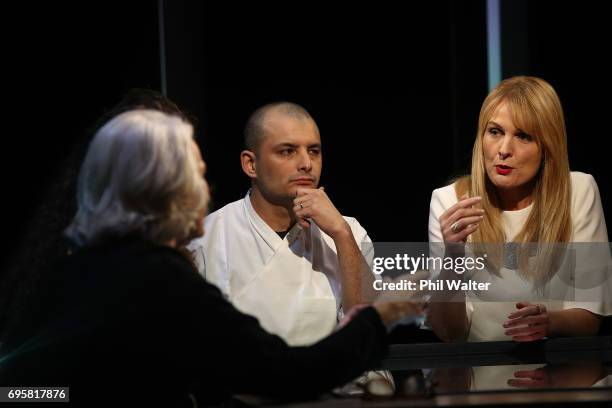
[
  {"x": 289, "y": 129},
  {"x": 277, "y": 117}
]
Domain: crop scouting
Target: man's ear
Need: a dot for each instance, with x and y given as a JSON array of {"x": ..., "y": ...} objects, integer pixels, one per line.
[{"x": 247, "y": 160}]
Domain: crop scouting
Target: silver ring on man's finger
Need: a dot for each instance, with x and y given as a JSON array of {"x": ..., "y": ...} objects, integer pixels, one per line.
[{"x": 455, "y": 226}]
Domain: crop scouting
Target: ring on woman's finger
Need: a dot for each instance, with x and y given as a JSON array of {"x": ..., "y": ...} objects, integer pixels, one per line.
[
  {"x": 301, "y": 206},
  {"x": 455, "y": 227},
  {"x": 538, "y": 309}
]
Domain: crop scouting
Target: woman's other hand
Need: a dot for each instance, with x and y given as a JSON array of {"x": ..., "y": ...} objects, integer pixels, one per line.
[{"x": 530, "y": 322}]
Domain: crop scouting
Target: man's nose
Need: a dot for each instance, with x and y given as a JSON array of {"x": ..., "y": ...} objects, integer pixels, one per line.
[{"x": 304, "y": 161}]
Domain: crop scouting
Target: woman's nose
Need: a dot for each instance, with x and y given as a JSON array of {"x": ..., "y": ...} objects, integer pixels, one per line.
[{"x": 505, "y": 148}]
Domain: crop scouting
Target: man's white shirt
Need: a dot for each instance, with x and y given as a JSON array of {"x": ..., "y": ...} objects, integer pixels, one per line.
[{"x": 291, "y": 284}]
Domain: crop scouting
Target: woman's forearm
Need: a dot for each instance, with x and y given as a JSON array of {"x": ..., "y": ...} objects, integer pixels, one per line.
[{"x": 573, "y": 322}]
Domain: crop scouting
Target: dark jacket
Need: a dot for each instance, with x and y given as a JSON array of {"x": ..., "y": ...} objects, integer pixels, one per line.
[{"x": 133, "y": 321}]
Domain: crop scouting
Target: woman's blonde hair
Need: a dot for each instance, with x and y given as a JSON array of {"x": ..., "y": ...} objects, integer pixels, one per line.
[
  {"x": 140, "y": 177},
  {"x": 535, "y": 108}
]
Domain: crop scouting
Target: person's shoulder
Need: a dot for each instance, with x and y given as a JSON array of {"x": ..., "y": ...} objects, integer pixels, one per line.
[
  {"x": 587, "y": 211},
  {"x": 157, "y": 257},
  {"x": 584, "y": 187},
  {"x": 141, "y": 258},
  {"x": 358, "y": 230},
  {"x": 446, "y": 191},
  {"x": 444, "y": 196},
  {"x": 584, "y": 190},
  {"x": 228, "y": 210},
  {"x": 582, "y": 181},
  {"x": 216, "y": 221},
  {"x": 351, "y": 221}
]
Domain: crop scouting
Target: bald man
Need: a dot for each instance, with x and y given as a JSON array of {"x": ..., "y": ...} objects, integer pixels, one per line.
[{"x": 284, "y": 253}]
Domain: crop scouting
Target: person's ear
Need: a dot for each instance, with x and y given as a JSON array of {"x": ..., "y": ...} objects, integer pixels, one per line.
[{"x": 248, "y": 162}]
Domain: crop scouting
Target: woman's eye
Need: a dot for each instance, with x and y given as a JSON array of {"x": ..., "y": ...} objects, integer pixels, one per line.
[
  {"x": 494, "y": 131},
  {"x": 524, "y": 137}
]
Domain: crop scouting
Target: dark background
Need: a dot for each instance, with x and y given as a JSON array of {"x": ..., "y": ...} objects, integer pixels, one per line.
[{"x": 396, "y": 90}]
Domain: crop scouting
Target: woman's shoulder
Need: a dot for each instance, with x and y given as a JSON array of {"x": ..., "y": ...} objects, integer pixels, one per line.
[
  {"x": 448, "y": 190},
  {"x": 445, "y": 196},
  {"x": 582, "y": 181},
  {"x": 588, "y": 219},
  {"x": 584, "y": 189}
]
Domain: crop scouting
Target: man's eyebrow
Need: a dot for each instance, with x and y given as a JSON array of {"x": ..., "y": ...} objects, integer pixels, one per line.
[
  {"x": 284, "y": 144},
  {"x": 293, "y": 145}
]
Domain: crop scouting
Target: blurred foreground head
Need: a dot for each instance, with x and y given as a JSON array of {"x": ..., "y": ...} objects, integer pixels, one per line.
[{"x": 142, "y": 176}]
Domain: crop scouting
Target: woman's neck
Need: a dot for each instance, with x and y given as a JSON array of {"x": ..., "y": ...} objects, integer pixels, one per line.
[{"x": 515, "y": 200}]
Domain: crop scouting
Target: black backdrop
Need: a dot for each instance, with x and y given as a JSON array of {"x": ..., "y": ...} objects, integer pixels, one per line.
[
  {"x": 383, "y": 82},
  {"x": 395, "y": 89}
]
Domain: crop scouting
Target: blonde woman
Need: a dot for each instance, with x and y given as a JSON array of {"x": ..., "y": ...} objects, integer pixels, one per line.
[{"x": 520, "y": 190}]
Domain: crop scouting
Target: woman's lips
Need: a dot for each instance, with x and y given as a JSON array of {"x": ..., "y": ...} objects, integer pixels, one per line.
[{"x": 503, "y": 170}]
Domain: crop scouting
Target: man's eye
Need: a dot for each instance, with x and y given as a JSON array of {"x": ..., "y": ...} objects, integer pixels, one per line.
[
  {"x": 314, "y": 152},
  {"x": 286, "y": 152}
]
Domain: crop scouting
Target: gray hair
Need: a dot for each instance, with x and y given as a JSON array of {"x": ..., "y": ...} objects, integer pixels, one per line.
[
  {"x": 254, "y": 129},
  {"x": 140, "y": 176}
]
